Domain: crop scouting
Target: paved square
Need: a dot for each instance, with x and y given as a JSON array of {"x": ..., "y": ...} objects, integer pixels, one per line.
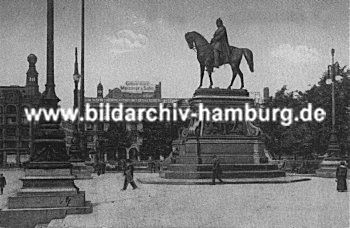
[{"x": 313, "y": 203}]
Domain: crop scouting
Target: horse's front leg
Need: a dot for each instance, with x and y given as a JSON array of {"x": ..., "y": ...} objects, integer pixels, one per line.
[
  {"x": 211, "y": 81},
  {"x": 201, "y": 76}
]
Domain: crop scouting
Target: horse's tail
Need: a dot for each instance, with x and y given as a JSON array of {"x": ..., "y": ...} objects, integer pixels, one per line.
[{"x": 248, "y": 54}]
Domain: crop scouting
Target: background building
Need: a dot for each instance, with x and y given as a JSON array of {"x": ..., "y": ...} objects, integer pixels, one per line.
[
  {"x": 135, "y": 94},
  {"x": 15, "y": 130}
]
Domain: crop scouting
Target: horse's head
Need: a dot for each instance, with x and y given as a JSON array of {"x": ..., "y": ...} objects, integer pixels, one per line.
[{"x": 189, "y": 39}]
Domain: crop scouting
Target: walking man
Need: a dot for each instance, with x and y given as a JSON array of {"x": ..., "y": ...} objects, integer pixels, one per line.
[
  {"x": 129, "y": 175},
  {"x": 341, "y": 175},
  {"x": 216, "y": 170},
  {"x": 2, "y": 183}
]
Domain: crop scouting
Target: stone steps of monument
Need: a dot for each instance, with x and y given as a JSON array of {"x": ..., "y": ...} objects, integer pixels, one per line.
[
  {"x": 46, "y": 200},
  {"x": 48, "y": 172},
  {"x": 70, "y": 177},
  {"x": 208, "y": 159},
  {"x": 61, "y": 191},
  {"x": 48, "y": 183},
  {"x": 328, "y": 172},
  {"x": 29, "y": 217},
  {"x": 227, "y": 174},
  {"x": 224, "y": 167},
  {"x": 141, "y": 168},
  {"x": 219, "y": 151}
]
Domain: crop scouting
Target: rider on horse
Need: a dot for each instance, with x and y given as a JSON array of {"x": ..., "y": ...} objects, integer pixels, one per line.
[{"x": 220, "y": 44}]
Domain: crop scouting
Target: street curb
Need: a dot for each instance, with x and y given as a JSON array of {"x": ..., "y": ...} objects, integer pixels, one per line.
[{"x": 225, "y": 183}]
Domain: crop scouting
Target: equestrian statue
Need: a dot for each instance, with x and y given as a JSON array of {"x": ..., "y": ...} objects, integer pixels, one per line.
[{"x": 218, "y": 52}]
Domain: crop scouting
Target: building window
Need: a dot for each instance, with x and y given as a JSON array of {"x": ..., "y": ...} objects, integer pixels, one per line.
[
  {"x": 10, "y": 132},
  {"x": 11, "y": 109},
  {"x": 100, "y": 126},
  {"x": 25, "y": 144},
  {"x": 106, "y": 126},
  {"x": 25, "y": 120},
  {"x": 25, "y": 132},
  {"x": 11, "y": 120},
  {"x": 10, "y": 144},
  {"x": 1, "y": 110},
  {"x": 89, "y": 138},
  {"x": 89, "y": 126}
]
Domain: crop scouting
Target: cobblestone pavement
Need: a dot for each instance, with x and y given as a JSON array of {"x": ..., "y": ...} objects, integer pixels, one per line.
[
  {"x": 13, "y": 184},
  {"x": 313, "y": 203}
]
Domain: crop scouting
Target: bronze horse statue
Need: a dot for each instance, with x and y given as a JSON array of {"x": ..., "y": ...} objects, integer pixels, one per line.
[{"x": 205, "y": 57}]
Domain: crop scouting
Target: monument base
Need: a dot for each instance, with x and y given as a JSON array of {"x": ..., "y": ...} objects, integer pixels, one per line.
[
  {"x": 48, "y": 192},
  {"x": 81, "y": 171},
  {"x": 237, "y": 144},
  {"x": 328, "y": 167}
]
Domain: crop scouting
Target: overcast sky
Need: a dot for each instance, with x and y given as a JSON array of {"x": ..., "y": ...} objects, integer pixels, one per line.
[{"x": 144, "y": 40}]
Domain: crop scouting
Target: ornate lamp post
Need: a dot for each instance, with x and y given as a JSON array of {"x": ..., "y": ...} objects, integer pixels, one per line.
[
  {"x": 75, "y": 152},
  {"x": 329, "y": 165},
  {"x": 76, "y": 77},
  {"x": 333, "y": 71}
]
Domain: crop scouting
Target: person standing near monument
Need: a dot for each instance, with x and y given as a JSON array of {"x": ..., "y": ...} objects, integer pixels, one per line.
[
  {"x": 341, "y": 175},
  {"x": 216, "y": 170},
  {"x": 2, "y": 183},
  {"x": 220, "y": 44},
  {"x": 129, "y": 175}
]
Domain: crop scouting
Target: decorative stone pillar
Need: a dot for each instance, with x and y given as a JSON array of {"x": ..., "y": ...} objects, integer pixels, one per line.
[{"x": 48, "y": 190}]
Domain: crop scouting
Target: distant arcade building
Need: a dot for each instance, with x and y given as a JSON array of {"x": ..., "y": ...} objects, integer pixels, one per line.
[
  {"x": 134, "y": 94},
  {"x": 15, "y": 130}
]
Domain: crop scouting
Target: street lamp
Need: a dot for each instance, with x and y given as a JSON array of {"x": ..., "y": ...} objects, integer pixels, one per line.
[
  {"x": 329, "y": 165},
  {"x": 76, "y": 77},
  {"x": 75, "y": 148},
  {"x": 333, "y": 74}
]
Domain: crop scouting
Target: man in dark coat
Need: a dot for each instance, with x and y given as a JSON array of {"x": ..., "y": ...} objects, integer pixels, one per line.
[
  {"x": 341, "y": 175},
  {"x": 216, "y": 169},
  {"x": 2, "y": 183},
  {"x": 220, "y": 44},
  {"x": 129, "y": 175}
]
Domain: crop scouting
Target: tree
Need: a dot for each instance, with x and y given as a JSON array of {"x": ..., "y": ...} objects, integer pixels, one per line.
[
  {"x": 157, "y": 139},
  {"x": 309, "y": 137},
  {"x": 117, "y": 138}
]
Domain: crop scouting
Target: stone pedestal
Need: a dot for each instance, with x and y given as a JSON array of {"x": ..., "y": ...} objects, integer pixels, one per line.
[
  {"x": 236, "y": 143},
  {"x": 328, "y": 167},
  {"x": 81, "y": 171},
  {"x": 48, "y": 193}
]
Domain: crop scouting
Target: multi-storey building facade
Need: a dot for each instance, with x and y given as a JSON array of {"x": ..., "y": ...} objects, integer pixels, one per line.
[
  {"x": 15, "y": 130},
  {"x": 135, "y": 94}
]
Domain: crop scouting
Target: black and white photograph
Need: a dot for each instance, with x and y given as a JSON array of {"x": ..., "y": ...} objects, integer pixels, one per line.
[{"x": 174, "y": 113}]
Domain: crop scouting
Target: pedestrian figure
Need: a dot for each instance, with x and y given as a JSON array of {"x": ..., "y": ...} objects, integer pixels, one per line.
[
  {"x": 129, "y": 175},
  {"x": 2, "y": 183},
  {"x": 341, "y": 176},
  {"x": 98, "y": 168},
  {"x": 103, "y": 167},
  {"x": 151, "y": 165},
  {"x": 216, "y": 170}
]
